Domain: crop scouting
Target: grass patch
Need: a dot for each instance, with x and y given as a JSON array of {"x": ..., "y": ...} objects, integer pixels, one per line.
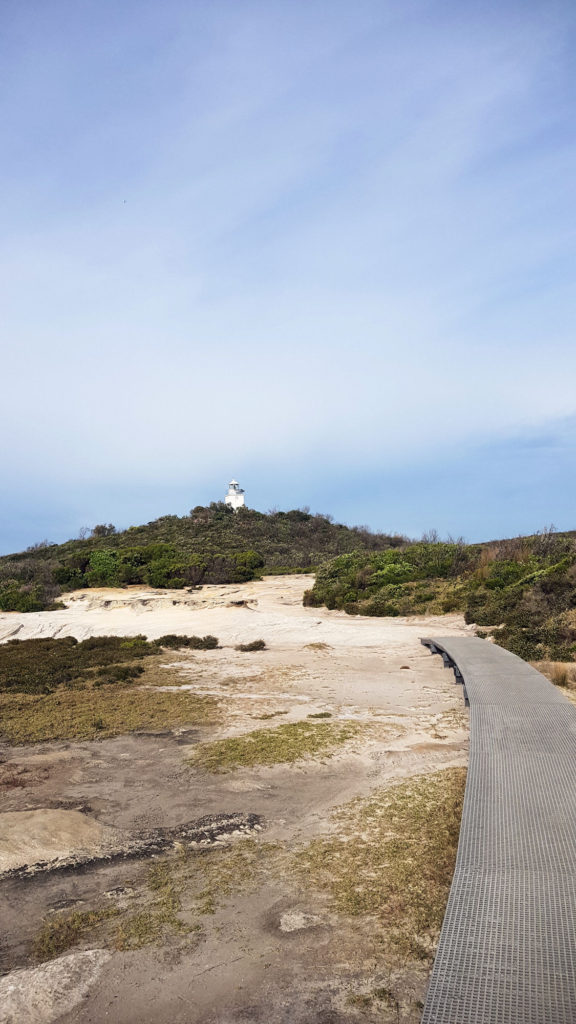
[
  {"x": 282, "y": 745},
  {"x": 62, "y": 689},
  {"x": 393, "y": 859},
  {"x": 214, "y": 876},
  {"x": 188, "y": 886},
  {"x": 320, "y": 714},
  {"x": 97, "y": 713},
  {"x": 64, "y": 931}
]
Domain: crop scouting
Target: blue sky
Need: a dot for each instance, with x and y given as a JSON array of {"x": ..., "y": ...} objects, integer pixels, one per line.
[{"x": 327, "y": 248}]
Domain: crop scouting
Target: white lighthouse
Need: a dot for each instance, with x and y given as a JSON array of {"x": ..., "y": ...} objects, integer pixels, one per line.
[{"x": 235, "y": 496}]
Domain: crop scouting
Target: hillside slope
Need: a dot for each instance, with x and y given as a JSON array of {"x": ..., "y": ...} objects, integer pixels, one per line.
[
  {"x": 524, "y": 589},
  {"x": 210, "y": 545}
]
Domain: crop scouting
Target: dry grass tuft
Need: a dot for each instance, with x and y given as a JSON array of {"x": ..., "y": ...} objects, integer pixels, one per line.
[
  {"x": 64, "y": 931},
  {"x": 393, "y": 859},
  {"x": 561, "y": 673},
  {"x": 282, "y": 745},
  {"x": 212, "y": 877},
  {"x": 160, "y": 914}
]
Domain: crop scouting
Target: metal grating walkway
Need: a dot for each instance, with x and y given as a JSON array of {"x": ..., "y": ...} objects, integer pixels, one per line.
[{"x": 507, "y": 950}]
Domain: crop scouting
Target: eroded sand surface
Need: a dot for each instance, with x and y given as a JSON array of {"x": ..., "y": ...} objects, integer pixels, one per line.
[
  {"x": 273, "y": 955},
  {"x": 48, "y": 835}
]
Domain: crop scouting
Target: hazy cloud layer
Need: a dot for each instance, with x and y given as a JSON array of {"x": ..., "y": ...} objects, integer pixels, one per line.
[{"x": 306, "y": 243}]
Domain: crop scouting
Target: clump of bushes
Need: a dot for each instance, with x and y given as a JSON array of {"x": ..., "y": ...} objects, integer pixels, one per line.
[
  {"x": 524, "y": 589},
  {"x": 254, "y": 645},
  {"x": 196, "y": 643},
  {"x": 118, "y": 674},
  {"x": 41, "y": 666}
]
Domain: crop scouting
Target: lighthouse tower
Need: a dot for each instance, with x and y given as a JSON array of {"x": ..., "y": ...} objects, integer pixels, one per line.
[{"x": 235, "y": 496}]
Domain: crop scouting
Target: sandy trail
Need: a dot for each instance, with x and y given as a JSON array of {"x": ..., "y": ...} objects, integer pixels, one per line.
[{"x": 371, "y": 670}]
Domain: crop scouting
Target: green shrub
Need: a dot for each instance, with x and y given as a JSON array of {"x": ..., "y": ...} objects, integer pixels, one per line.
[
  {"x": 14, "y": 598},
  {"x": 255, "y": 645},
  {"x": 522, "y": 589},
  {"x": 197, "y": 643},
  {"x": 118, "y": 674},
  {"x": 103, "y": 569}
]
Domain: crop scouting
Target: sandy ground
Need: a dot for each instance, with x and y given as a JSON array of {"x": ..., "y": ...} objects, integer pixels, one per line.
[
  {"x": 32, "y": 836},
  {"x": 275, "y": 955}
]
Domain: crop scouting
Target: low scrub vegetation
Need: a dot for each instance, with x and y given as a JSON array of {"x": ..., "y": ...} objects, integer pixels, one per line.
[
  {"x": 254, "y": 645},
  {"x": 54, "y": 689},
  {"x": 282, "y": 745},
  {"x": 43, "y": 665},
  {"x": 524, "y": 590},
  {"x": 393, "y": 859},
  {"x": 210, "y": 545},
  {"x": 195, "y": 643}
]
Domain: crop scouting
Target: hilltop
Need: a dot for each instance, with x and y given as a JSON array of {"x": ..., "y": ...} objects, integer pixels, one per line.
[{"x": 212, "y": 544}]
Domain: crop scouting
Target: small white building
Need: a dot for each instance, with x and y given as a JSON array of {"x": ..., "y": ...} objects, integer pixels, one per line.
[{"x": 235, "y": 496}]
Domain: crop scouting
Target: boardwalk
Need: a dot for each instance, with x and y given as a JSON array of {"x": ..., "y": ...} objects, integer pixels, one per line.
[{"x": 507, "y": 951}]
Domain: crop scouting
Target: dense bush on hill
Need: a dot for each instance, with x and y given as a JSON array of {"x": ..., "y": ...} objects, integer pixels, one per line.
[
  {"x": 210, "y": 545},
  {"x": 523, "y": 589}
]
